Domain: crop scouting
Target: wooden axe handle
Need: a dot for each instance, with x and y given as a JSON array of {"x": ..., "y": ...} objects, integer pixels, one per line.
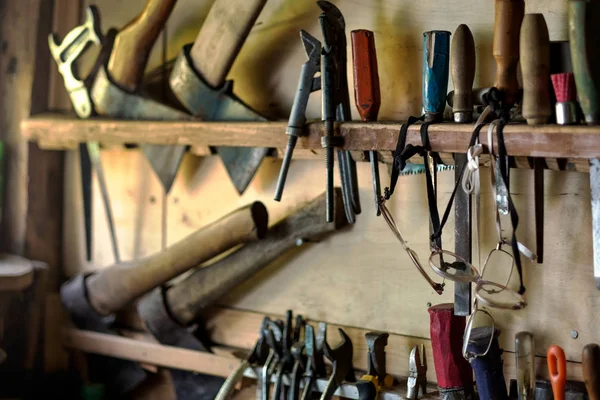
[
  {"x": 507, "y": 25},
  {"x": 221, "y": 37},
  {"x": 113, "y": 288},
  {"x": 188, "y": 299},
  {"x": 591, "y": 370},
  {"x": 134, "y": 42}
]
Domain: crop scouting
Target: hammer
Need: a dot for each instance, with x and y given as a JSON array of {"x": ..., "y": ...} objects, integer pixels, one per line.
[{"x": 91, "y": 298}]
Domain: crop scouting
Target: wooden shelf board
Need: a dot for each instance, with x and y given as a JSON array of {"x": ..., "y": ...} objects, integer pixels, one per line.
[{"x": 56, "y": 131}]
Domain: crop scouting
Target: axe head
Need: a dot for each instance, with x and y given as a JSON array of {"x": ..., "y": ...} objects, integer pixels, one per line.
[{"x": 217, "y": 104}]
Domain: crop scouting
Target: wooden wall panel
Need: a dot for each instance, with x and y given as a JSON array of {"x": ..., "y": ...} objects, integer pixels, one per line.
[{"x": 360, "y": 277}]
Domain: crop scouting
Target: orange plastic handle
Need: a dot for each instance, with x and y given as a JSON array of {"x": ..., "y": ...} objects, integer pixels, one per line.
[
  {"x": 557, "y": 367},
  {"x": 366, "y": 76}
]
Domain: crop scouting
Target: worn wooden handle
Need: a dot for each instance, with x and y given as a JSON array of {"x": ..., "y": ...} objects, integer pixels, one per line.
[
  {"x": 535, "y": 67},
  {"x": 446, "y": 332},
  {"x": 507, "y": 24},
  {"x": 112, "y": 288},
  {"x": 590, "y": 358},
  {"x": 462, "y": 68},
  {"x": 221, "y": 37},
  {"x": 189, "y": 298},
  {"x": 366, "y": 77},
  {"x": 134, "y": 42}
]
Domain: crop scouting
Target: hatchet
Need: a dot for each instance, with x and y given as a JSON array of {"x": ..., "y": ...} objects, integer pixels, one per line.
[
  {"x": 198, "y": 80},
  {"x": 92, "y": 299}
]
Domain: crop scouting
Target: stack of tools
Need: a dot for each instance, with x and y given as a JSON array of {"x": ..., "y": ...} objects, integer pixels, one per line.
[{"x": 336, "y": 107}]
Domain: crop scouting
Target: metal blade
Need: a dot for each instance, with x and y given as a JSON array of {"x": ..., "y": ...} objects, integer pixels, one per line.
[
  {"x": 218, "y": 104},
  {"x": 86, "y": 191},
  {"x": 113, "y": 101}
]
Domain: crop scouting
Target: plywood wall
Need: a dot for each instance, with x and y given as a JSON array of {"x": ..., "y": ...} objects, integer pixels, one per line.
[{"x": 361, "y": 276}]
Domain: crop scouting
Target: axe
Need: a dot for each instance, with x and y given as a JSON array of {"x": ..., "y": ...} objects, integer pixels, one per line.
[
  {"x": 198, "y": 80},
  {"x": 92, "y": 299},
  {"x": 167, "y": 313}
]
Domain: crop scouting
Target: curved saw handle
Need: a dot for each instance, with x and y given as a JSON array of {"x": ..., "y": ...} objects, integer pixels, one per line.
[
  {"x": 221, "y": 37},
  {"x": 507, "y": 25},
  {"x": 366, "y": 77},
  {"x": 134, "y": 42},
  {"x": 557, "y": 367}
]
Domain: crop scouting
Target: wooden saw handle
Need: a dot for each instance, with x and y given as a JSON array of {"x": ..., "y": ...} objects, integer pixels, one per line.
[
  {"x": 221, "y": 37},
  {"x": 462, "y": 68},
  {"x": 507, "y": 25},
  {"x": 366, "y": 77},
  {"x": 134, "y": 42},
  {"x": 591, "y": 370},
  {"x": 113, "y": 288},
  {"x": 535, "y": 66}
]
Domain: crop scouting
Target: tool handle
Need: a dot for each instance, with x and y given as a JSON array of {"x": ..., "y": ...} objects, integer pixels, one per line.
[
  {"x": 221, "y": 37},
  {"x": 231, "y": 381},
  {"x": 535, "y": 67},
  {"x": 488, "y": 369},
  {"x": 446, "y": 332},
  {"x": 366, "y": 78},
  {"x": 366, "y": 390},
  {"x": 113, "y": 288},
  {"x": 189, "y": 298},
  {"x": 557, "y": 368},
  {"x": 462, "y": 68},
  {"x": 584, "y": 18},
  {"x": 134, "y": 42},
  {"x": 436, "y": 63},
  {"x": 590, "y": 358},
  {"x": 507, "y": 24}
]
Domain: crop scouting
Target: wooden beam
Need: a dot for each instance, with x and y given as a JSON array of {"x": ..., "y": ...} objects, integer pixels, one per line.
[
  {"x": 64, "y": 132},
  {"x": 150, "y": 353}
]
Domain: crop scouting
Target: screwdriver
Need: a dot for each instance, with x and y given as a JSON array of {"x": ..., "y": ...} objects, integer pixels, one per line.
[
  {"x": 366, "y": 92},
  {"x": 525, "y": 360},
  {"x": 557, "y": 368}
]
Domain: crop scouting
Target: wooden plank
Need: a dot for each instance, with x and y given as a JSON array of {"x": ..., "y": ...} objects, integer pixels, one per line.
[
  {"x": 60, "y": 132},
  {"x": 150, "y": 353}
]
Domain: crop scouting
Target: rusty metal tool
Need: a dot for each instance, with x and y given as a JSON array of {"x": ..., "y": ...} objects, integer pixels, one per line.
[
  {"x": 92, "y": 299},
  {"x": 367, "y": 95},
  {"x": 198, "y": 80},
  {"x": 535, "y": 66},
  {"x": 65, "y": 54},
  {"x": 307, "y": 84},
  {"x": 376, "y": 377},
  {"x": 315, "y": 366},
  {"x": 336, "y": 107},
  {"x": 343, "y": 369},
  {"x": 274, "y": 335},
  {"x": 255, "y": 358},
  {"x": 454, "y": 374},
  {"x": 462, "y": 68},
  {"x": 417, "y": 373},
  {"x": 590, "y": 362},
  {"x": 167, "y": 313},
  {"x": 525, "y": 361},
  {"x": 116, "y": 88},
  {"x": 557, "y": 369},
  {"x": 285, "y": 358},
  {"x": 584, "y": 19}
]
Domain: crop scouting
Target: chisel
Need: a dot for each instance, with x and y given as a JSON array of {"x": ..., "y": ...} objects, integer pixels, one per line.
[
  {"x": 366, "y": 92},
  {"x": 535, "y": 66},
  {"x": 584, "y": 19}
]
